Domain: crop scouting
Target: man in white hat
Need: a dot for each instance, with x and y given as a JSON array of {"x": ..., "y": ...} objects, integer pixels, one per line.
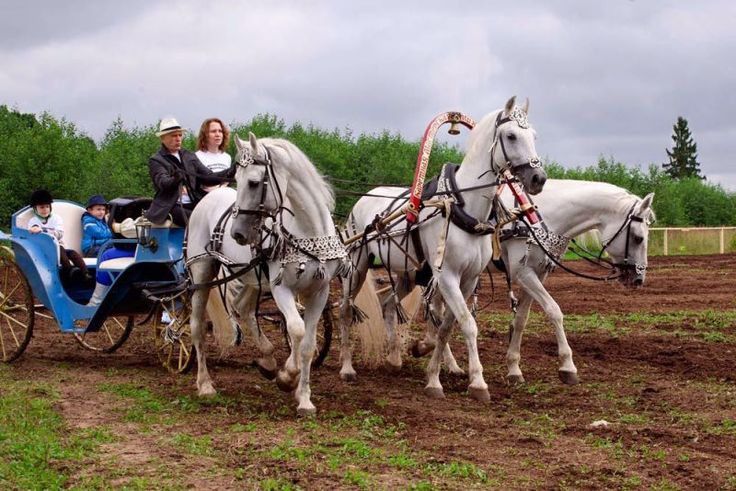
[{"x": 178, "y": 176}]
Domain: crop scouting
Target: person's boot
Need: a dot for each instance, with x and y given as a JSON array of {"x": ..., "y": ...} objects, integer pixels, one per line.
[{"x": 98, "y": 295}]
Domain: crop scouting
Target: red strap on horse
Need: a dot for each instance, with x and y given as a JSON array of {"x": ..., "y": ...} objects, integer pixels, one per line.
[
  {"x": 524, "y": 203},
  {"x": 455, "y": 118}
]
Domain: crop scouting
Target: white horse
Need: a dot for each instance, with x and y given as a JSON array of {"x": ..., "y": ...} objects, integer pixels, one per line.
[
  {"x": 282, "y": 210},
  {"x": 569, "y": 208},
  {"x": 457, "y": 253}
]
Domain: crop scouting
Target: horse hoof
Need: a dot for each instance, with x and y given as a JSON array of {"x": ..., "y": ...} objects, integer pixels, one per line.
[
  {"x": 306, "y": 412},
  {"x": 457, "y": 372},
  {"x": 414, "y": 349},
  {"x": 349, "y": 377},
  {"x": 419, "y": 350},
  {"x": 568, "y": 378},
  {"x": 206, "y": 390},
  {"x": 434, "y": 392},
  {"x": 268, "y": 374},
  {"x": 284, "y": 382},
  {"x": 391, "y": 368},
  {"x": 481, "y": 395},
  {"x": 515, "y": 379}
]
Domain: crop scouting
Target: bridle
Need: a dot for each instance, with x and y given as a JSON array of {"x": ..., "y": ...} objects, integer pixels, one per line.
[
  {"x": 518, "y": 116},
  {"x": 268, "y": 176},
  {"x": 638, "y": 268}
]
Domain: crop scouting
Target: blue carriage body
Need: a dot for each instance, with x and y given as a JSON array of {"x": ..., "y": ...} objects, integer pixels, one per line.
[{"x": 37, "y": 257}]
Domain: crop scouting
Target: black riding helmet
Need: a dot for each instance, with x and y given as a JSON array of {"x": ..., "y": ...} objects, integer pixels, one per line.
[{"x": 41, "y": 197}]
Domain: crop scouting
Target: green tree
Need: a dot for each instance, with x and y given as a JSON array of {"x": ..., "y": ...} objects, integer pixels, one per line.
[{"x": 684, "y": 154}]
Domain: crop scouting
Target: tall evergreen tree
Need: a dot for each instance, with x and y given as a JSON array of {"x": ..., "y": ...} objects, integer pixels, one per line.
[{"x": 684, "y": 154}]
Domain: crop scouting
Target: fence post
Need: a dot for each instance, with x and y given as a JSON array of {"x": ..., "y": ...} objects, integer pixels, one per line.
[
  {"x": 722, "y": 241},
  {"x": 664, "y": 242}
]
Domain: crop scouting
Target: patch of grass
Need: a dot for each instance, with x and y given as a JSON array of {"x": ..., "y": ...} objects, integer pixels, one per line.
[
  {"x": 193, "y": 445},
  {"x": 613, "y": 447},
  {"x": 454, "y": 469},
  {"x": 634, "y": 419},
  {"x": 541, "y": 426},
  {"x": 272, "y": 484},
  {"x": 288, "y": 451},
  {"x": 725, "y": 427},
  {"x": 357, "y": 478},
  {"x": 402, "y": 461},
  {"x": 34, "y": 438}
]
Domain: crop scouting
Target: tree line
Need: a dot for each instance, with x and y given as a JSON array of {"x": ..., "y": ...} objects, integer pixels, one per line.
[{"x": 43, "y": 151}]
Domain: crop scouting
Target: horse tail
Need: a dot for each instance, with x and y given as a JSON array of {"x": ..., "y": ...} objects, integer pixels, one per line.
[
  {"x": 222, "y": 328},
  {"x": 370, "y": 330}
]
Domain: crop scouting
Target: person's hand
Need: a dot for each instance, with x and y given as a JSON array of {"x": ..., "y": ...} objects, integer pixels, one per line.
[
  {"x": 35, "y": 229},
  {"x": 178, "y": 174}
]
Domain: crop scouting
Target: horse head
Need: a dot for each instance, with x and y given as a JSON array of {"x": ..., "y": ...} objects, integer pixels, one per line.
[
  {"x": 627, "y": 247},
  {"x": 513, "y": 147},
  {"x": 260, "y": 191}
]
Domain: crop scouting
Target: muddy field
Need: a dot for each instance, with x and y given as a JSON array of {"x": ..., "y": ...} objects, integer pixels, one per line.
[{"x": 658, "y": 365}]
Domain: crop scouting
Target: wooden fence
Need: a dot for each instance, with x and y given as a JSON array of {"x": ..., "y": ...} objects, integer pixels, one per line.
[{"x": 691, "y": 240}]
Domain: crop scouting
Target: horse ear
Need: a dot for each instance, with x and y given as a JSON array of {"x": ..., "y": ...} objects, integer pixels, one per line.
[
  {"x": 646, "y": 203},
  {"x": 510, "y": 105},
  {"x": 239, "y": 144},
  {"x": 253, "y": 141},
  {"x": 525, "y": 108}
]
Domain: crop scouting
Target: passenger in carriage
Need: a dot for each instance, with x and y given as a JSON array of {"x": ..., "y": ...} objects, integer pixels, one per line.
[
  {"x": 212, "y": 143},
  {"x": 44, "y": 221},
  {"x": 95, "y": 231},
  {"x": 178, "y": 177}
]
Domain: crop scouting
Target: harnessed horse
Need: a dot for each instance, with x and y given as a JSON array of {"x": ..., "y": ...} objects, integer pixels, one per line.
[
  {"x": 453, "y": 240},
  {"x": 278, "y": 222},
  {"x": 569, "y": 208}
]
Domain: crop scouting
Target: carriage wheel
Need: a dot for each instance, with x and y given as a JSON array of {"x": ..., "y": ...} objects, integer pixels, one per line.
[
  {"x": 111, "y": 335},
  {"x": 173, "y": 340},
  {"x": 324, "y": 336},
  {"x": 16, "y": 310}
]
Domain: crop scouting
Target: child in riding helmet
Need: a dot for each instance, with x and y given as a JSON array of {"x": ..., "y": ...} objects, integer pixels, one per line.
[
  {"x": 44, "y": 221},
  {"x": 95, "y": 231}
]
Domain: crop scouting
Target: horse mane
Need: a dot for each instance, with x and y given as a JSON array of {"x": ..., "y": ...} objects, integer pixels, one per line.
[
  {"x": 481, "y": 136},
  {"x": 622, "y": 199},
  {"x": 298, "y": 164}
]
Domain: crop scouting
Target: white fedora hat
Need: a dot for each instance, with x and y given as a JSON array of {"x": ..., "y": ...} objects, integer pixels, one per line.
[{"x": 168, "y": 125}]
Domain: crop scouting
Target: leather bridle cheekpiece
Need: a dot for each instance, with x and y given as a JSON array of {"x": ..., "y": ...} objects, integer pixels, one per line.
[{"x": 518, "y": 116}]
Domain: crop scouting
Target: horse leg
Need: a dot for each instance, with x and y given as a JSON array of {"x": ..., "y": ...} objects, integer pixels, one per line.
[
  {"x": 455, "y": 295},
  {"x": 350, "y": 289},
  {"x": 426, "y": 345},
  {"x": 286, "y": 301},
  {"x": 312, "y": 313},
  {"x": 245, "y": 303},
  {"x": 201, "y": 272},
  {"x": 434, "y": 387},
  {"x": 393, "y": 358},
  {"x": 532, "y": 284},
  {"x": 513, "y": 354}
]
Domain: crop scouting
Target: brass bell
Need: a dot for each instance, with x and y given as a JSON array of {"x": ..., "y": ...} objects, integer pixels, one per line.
[{"x": 453, "y": 129}]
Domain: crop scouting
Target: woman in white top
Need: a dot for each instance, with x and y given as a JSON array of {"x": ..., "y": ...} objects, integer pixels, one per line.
[{"x": 213, "y": 139}]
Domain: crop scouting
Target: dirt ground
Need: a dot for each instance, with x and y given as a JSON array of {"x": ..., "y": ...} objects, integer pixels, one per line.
[{"x": 658, "y": 364}]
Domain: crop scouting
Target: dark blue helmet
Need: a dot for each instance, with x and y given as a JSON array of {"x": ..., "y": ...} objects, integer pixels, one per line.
[{"x": 97, "y": 199}]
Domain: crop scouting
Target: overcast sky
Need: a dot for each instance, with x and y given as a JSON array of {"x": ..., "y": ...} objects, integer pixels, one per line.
[{"x": 605, "y": 78}]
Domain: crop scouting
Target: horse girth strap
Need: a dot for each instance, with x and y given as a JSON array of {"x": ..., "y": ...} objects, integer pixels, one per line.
[
  {"x": 247, "y": 267},
  {"x": 458, "y": 215}
]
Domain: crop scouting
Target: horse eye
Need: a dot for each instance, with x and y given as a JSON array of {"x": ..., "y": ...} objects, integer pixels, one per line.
[
  {"x": 253, "y": 184},
  {"x": 511, "y": 136},
  {"x": 638, "y": 240}
]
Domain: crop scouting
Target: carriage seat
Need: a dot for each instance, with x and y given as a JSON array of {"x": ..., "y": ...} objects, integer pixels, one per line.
[{"x": 71, "y": 214}]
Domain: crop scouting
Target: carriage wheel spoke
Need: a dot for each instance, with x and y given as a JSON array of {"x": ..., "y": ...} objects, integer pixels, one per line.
[
  {"x": 9, "y": 318},
  {"x": 10, "y": 293},
  {"x": 10, "y": 329}
]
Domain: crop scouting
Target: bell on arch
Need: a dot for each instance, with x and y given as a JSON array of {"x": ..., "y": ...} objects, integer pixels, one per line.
[{"x": 453, "y": 128}]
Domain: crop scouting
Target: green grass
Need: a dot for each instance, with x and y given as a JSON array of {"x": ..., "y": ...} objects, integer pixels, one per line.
[{"x": 36, "y": 448}]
